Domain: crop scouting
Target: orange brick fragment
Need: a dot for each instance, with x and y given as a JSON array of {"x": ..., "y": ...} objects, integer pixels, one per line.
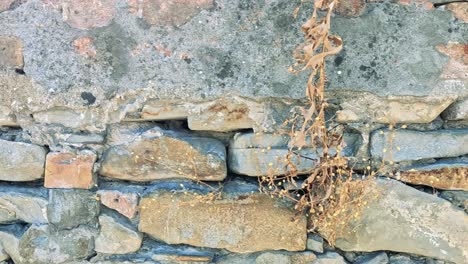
[
  {"x": 123, "y": 202},
  {"x": 69, "y": 170}
]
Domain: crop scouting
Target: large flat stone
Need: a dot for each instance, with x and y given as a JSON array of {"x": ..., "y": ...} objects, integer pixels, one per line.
[
  {"x": 21, "y": 161},
  {"x": 27, "y": 205},
  {"x": 159, "y": 154},
  {"x": 245, "y": 223},
  {"x": 403, "y": 219},
  {"x": 406, "y": 145}
]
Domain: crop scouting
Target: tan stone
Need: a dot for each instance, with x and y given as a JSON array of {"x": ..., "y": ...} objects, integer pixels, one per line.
[
  {"x": 460, "y": 11},
  {"x": 11, "y": 52},
  {"x": 161, "y": 154},
  {"x": 181, "y": 259},
  {"x": 366, "y": 107},
  {"x": 166, "y": 110},
  {"x": 69, "y": 170},
  {"x": 123, "y": 202},
  {"x": 245, "y": 223},
  {"x": 21, "y": 161},
  {"x": 168, "y": 12},
  {"x": 457, "y": 66},
  {"x": 440, "y": 176},
  {"x": 227, "y": 114}
]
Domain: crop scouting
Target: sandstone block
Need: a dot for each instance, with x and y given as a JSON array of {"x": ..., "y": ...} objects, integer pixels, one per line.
[
  {"x": 159, "y": 154},
  {"x": 71, "y": 208},
  {"x": 403, "y": 219},
  {"x": 126, "y": 203},
  {"x": 21, "y": 161},
  {"x": 115, "y": 237},
  {"x": 27, "y": 205},
  {"x": 69, "y": 170},
  {"x": 414, "y": 145},
  {"x": 11, "y": 52},
  {"x": 265, "y": 223}
]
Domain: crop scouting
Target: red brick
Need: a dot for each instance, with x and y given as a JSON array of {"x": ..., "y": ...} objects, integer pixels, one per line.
[
  {"x": 85, "y": 47},
  {"x": 11, "y": 52},
  {"x": 123, "y": 202},
  {"x": 69, "y": 170},
  {"x": 168, "y": 12}
]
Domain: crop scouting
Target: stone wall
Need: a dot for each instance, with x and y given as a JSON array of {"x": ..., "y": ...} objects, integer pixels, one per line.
[{"x": 118, "y": 116}]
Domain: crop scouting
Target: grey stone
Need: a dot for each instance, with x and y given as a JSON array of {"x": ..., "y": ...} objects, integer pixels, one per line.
[
  {"x": 161, "y": 154},
  {"x": 84, "y": 138},
  {"x": 403, "y": 219},
  {"x": 45, "y": 245},
  {"x": 457, "y": 111},
  {"x": 269, "y": 257},
  {"x": 373, "y": 258},
  {"x": 457, "y": 198},
  {"x": 116, "y": 237},
  {"x": 23, "y": 205},
  {"x": 315, "y": 243},
  {"x": 7, "y": 118},
  {"x": 265, "y": 154},
  {"x": 72, "y": 208},
  {"x": 402, "y": 259},
  {"x": 9, "y": 242},
  {"x": 330, "y": 258},
  {"x": 404, "y": 145},
  {"x": 21, "y": 161},
  {"x": 82, "y": 119}
]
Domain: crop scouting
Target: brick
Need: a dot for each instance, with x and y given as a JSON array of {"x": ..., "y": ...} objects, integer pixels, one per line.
[
  {"x": 122, "y": 202},
  {"x": 68, "y": 170},
  {"x": 11, "y": 52},
  {"x": 168, "y": 12}
]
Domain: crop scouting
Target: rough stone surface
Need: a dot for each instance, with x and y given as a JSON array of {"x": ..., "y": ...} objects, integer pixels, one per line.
[
  {"x": 11, "y": 53},
  {"x": 158, "y": 154},
  {"x": 184, "y": 218},
  {"x": 351, "y": 7},
  {"x": 460, "y": 11},
  {"x": 264, "y": 154},
  {"x": 414, "y": 145},
  {"x": 85, "y": 47},
  {"x": 10, "y": 236},
  {"x": 457, "y": 66},
  {"x": 69, "y": 170},
  {"x": 27, "y": 205},
  {"x": 274, "y": 257},
  {"x": 45, "y": 245},
  {"x": 457, "y": 111},
  {"x": 315, "y": 243},
  {"x": 457, "y": 198},
  {"x": 390, "y": 110},
  {"x": 373, "y": 258},
  {"x": 447, "y": 175},
  {"x": 168, "y": 13},
  {"x": 21, "y": 161},
  {"x": 7, "y": 118},
  {"x": 5, "y": 4},
  {"x": 330, "y": 258},
  {"x": 126, "y": 203},
  {"x": 84, "y": 14},
  {"x": 72, "y": 208},
  {"x": 403, "y": 219},
  {"x": 115, "y": 237}
]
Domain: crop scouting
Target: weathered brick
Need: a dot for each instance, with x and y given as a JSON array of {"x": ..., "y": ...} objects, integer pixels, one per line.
[
  {"x": 68, "y": 170},
  {"x": 180, "y": 218},
  {"x": 168, "y": 12},
  {"x": 11, "y": 52},
  {"x": 123, "y": 202}
]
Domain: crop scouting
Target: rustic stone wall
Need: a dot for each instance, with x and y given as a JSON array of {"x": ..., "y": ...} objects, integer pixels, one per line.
[{"x": 113, "y": 111}]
